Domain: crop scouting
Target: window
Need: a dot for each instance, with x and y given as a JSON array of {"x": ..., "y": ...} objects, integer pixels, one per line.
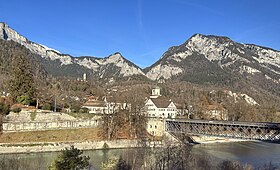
[{"x": 155, "y": 126}]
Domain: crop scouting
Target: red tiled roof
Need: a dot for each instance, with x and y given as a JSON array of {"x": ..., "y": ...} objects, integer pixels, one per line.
[
  {"x": 95, "y": 104},
  {"x": 215, "y": 107},
  {"x": 18, "y": 105}
]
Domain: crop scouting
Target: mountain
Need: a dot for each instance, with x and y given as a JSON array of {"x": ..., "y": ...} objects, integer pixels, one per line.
[
  {"x": 58, "y": 64},
  {"x": 14, "y": 55},
  {"x": 217, "y": 60},
  {"x": 202, "y": 59}
]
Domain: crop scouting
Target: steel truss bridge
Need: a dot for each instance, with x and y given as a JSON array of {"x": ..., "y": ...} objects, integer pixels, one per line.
[{"x": 227, "y": 129}]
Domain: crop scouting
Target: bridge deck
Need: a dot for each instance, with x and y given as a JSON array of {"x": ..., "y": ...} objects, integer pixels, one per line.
[
  {"x": 230, "y": 129},
  {"x": 221, "y": 122}
]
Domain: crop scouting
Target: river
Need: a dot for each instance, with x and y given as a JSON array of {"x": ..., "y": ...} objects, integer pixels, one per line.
[{"x": 255, "y": 153}]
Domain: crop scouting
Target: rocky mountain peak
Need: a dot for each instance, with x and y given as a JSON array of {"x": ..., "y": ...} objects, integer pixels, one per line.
[
  {"x": 209, "y": 58},
  {"x": 198, "y": 38},
  {"x": 8, "y": 33},
  {"x": 199, "y": 42},
  {"x": 113, "y": 65},
  {"x": 3, "y": 34},
  {"x": 116, "y": 57},
  {"x": 127, "y": 68}
]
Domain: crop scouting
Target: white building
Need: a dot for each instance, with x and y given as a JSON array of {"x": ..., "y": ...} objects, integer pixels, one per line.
[
  {"x": 155, "y": 126},
  {"x": 95, "y": 106},
  {"x": 105, "y": 106},
  {"x": 159, "y": 106}
]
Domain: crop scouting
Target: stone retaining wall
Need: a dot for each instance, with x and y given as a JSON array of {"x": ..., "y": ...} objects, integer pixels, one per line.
[
  {"x": 35, "y": 126},
  {"x": 58, "y": 146}
]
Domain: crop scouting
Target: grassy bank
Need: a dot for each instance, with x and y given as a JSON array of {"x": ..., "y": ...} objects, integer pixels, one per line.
[{"x": 84, "y": 134}]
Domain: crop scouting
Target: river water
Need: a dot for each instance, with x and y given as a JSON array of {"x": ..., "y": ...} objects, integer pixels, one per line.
[{"x": 254, "y": 153}]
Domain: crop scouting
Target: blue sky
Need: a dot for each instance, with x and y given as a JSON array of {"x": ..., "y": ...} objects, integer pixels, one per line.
[{"x": 142, "y": 30}]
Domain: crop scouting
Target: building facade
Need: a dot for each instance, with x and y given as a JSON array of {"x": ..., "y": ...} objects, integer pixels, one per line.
[
  {"x": 155, "y": 126},
  {"x": 104, "y": 106},
  {"x": 159, "y": 106}
]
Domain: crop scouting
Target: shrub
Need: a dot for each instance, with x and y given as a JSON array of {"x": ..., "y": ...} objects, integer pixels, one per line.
[
  {"x": 23, "y": 99},
  {"x": 75, "y": 109},
  {"x": 4, "y": 109},
  {"x": 105, "y": 146},
  {"x": 70, "y": 159},
  {"x": 83, "y": 110},
  {"x": 46, "y": 106},
  {"x": 16, "y": 110}
]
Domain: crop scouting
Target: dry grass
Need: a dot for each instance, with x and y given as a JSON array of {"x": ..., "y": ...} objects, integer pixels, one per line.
[
  {"x": 85, "y": 134},
  {"x": 83, "y": 115}
]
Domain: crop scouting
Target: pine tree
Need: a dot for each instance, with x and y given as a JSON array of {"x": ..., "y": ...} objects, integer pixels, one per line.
[
  {"x": 22, "y": 83},
  {"x": 71, "y": 159}
]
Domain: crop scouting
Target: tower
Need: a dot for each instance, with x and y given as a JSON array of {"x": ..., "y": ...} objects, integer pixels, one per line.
[
  {"x": 155, "y": 92},
  {"x": 85, "y": 77}
]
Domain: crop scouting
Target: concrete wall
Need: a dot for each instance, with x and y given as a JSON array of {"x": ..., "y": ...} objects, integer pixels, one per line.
[{"x": 35, "y": 126}]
